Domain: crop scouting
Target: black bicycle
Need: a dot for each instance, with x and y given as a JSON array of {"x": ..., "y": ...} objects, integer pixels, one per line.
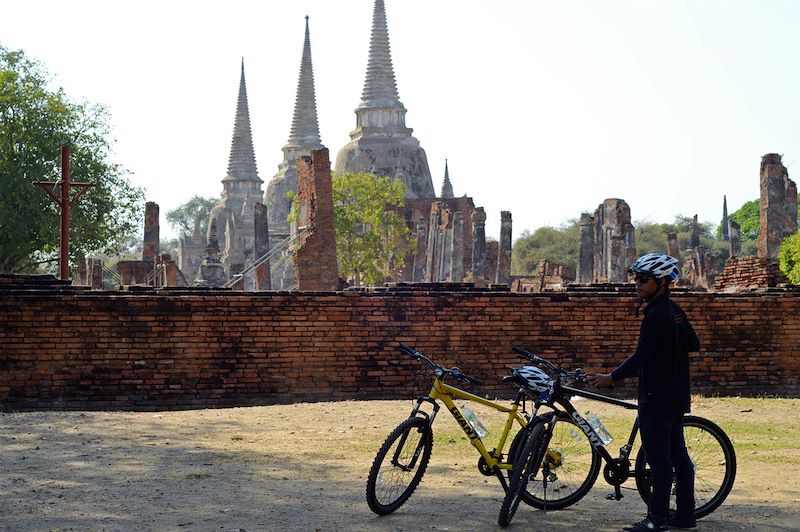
[{"x": 561, "y": 456}]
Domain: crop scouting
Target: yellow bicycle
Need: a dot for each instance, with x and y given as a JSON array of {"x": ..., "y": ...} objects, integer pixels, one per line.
[{"x": 402, "y": 459}]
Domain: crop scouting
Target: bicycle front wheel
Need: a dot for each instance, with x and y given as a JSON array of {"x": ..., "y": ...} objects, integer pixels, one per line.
[
  {"x": 525, "y": 465},
  {"x": 399, "y": 465},
  {"x": 714, "y": 461},
  {"x": 568, "y": 470}
]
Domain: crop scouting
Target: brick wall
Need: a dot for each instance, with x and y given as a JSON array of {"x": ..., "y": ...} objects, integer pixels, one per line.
[
  {"x": 63, "y": 348},
  {"x": 745, "y": 273}
]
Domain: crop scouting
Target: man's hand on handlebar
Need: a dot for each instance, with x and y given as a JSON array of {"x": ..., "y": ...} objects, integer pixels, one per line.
[{"x": 600, "y": 380}]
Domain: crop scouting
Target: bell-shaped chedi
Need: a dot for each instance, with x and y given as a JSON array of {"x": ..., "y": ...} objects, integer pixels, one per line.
[{"x": 381, "y": 143}]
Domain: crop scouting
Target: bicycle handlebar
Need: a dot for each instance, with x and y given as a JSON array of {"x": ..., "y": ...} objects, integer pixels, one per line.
[
  {"x": 578, "y": 374},
  {"x": 440, "y": 370}
]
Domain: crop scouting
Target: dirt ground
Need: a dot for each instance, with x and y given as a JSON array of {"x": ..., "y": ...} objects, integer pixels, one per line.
[{"x": 304, "y": 467}]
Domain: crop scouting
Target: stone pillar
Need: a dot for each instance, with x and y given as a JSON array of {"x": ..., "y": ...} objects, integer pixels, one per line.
[
  {"x": 695, "y": 238},
  {"x": 617, "y": 261},
  {"x": 735, "y": 239},
  {"x": 672, "y": 246},
  {"x": 629, "y": 243},
  {"x": 170, "y": 273},
  {"x": 261, "y": 246},
  {"x": 725, "y": 233},
  {"x": 478, "y": 244},
  {"x": 446, "y": 230},
  {"x": 151, "y": 232},
  {"x": 94, "y": 268},
  {"x": 420, "y": 258},
  {"x": 503, "y": 275},
  {"x": 315, "y": 266},
  {"x": 778, "y": 214},
  {"x": 431, "y": 261},
  {"x": 586, "y": 249},
  {"x": 457, "y": 249},
  {"x": 492, "y": 249}
]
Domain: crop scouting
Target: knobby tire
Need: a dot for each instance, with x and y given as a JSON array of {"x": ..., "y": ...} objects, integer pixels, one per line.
[
  {"x": 714, "y": 459},
  {"x": 399, "y": 465}
]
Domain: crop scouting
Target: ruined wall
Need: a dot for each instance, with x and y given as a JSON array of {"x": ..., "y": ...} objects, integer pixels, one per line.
[
  {"x": 745, "y": 273},
  {"x": 315, "y": 266},
  {"x": 426, "y": 262},
  {"x": 64, "y": 348}
]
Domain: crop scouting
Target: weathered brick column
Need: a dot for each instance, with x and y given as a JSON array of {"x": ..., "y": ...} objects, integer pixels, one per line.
[
  {"x": 778, "y": 214},
  {"x": 94, "y": 274},
  {"x": 586, "y": 249},
  {"x": 503, "y": 273},
  {"x": 261, "y": 221},
  {"x": 151, "y": 232},
  {"x": 315, "y": 266}
]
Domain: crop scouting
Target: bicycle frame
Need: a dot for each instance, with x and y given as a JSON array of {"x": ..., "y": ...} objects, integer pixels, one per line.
[
  {"x": 445, "y": 393},
  {"x": 562, "y": 398},
  {"x": 594, "y": 440}
]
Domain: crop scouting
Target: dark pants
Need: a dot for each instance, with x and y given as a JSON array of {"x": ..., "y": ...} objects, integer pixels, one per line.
[{"x": 665, "y": 450}]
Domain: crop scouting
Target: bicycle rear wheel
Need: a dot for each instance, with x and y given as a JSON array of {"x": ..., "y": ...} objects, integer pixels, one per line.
[
  {"x": 399, "y": 465},
  {"x": 714, "y": 461},
  {"x": 568, "y": 471}
]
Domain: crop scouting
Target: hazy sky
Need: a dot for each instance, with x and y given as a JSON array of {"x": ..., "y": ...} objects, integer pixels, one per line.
[{"x": 543, "y": 108}]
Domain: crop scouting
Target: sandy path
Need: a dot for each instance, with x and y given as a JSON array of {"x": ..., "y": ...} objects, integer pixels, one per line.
[{"x": 303, "y": 467}]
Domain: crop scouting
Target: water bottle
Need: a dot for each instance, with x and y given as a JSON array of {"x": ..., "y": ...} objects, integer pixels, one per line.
[
  {"x": 473, "y": 420},
  {"x": 598, "y": 428}
]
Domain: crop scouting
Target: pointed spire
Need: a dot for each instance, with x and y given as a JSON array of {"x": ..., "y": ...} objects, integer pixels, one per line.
[
  {"x": 380, "y": 89},
  {"x": 447, "y": 188},
  {"x": 305, "y": 127},
  {"x": 725, "y": 234},
  {"x": 242, "y": 162}
]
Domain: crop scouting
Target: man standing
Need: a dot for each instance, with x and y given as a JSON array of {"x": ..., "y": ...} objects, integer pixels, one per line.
[{"x": 661, "y": 361}]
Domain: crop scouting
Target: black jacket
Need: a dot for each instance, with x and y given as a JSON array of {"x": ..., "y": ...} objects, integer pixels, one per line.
[{"x": 661, "y": 359}]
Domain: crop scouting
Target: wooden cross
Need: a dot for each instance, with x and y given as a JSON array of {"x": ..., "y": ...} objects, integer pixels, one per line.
[{"x": 64, "y": 202}]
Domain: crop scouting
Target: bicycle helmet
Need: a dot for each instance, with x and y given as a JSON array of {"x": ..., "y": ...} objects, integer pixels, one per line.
[
  {"x": 658, "y": 265},
  {"x": 534, "y": 379}
]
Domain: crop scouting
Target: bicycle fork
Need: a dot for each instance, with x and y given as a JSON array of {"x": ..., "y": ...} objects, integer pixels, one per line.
[{"x": 415, "y": 412}]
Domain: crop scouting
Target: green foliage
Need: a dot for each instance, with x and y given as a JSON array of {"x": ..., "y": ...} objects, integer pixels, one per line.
[
  {"x": 652, "y": 237},
  {"x": 557, "y": 244},
  {"x": 789, "y": 257},
  {"x": 560, "y": 244},
  {"x": 370, "y": 236},
  {"x": 192, "y": 216},
  {"x": 34, "y": 123}
]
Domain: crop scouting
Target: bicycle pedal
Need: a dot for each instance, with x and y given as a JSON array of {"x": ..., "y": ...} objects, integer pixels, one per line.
[{"x": 613, "y": 496}]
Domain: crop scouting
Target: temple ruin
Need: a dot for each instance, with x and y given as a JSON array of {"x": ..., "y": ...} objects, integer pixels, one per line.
[
  {"x": 777, "y": 220},
  {"x": 778, "y": 214},
  {"x": 607, "y": 245}
]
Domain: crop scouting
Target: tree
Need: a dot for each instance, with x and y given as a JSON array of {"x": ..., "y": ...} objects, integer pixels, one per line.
[
  {"x": 652, "y": 237},
  {"x": 34, "y": 123},
  {"x": 789, "y": 257},
  {"x": 371, "y": 238},
  {"x": 192, "y": 216},
  {"x": 558, "y": 244}
]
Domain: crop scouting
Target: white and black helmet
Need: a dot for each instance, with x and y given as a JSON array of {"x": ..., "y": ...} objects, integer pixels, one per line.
[
  {"x": 535, "y": 379},
  {"x": 658, "y": 265}
]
